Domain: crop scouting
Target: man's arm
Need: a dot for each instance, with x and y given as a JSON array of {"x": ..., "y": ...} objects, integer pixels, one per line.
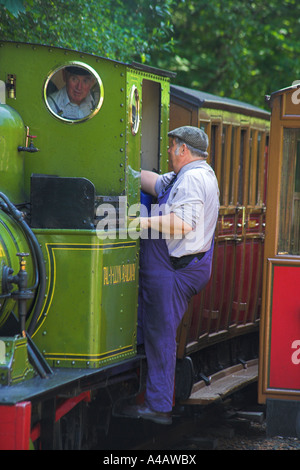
[
  {"x": 148, "y": 180},
  {"x": 169, "y": 224}
]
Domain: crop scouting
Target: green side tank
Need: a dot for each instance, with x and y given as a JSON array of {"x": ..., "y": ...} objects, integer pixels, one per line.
[{"x": 12, "y": 136}]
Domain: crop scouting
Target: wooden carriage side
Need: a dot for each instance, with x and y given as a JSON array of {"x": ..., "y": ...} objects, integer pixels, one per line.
[{"x": 238, "y": 133}]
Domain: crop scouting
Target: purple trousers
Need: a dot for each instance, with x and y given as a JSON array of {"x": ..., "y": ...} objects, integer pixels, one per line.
[{"x": 164, "y": 294}]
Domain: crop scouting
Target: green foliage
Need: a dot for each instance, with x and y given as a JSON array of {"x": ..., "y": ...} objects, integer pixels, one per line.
[
  {"x": 241, "y": 49},
  {"x": 236, "y": 48},
  {"x": 123, "y": 30},
  {"x": 13, "y": 7}
]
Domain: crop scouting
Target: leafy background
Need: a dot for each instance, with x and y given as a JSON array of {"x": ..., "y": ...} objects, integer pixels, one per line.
[{"x": 239, "y": 49}]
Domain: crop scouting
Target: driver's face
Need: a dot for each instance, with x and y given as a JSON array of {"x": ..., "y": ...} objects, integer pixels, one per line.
[{"x": 78, "y": 87}]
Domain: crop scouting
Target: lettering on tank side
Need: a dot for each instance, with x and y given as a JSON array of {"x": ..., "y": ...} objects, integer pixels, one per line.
[{"x": 119, "y": 274}]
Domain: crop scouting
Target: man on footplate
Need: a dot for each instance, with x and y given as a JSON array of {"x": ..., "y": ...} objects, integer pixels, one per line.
[{"x": 175, "y": 260}]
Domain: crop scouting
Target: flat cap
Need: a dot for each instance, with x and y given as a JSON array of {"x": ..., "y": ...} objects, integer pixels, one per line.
[
  {"x": 77, "y": 70},
  {"x": 192, "y": 136}
]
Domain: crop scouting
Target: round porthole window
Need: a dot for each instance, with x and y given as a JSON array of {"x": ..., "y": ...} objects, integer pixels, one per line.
[
  {"x": 134, "y": 110},
  {"x": 73, "y": 92}
]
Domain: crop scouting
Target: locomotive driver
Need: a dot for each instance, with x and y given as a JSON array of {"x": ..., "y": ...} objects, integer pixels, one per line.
[
  {"x": 74, "y": 100},
  {"x": 176, "y": 259}
]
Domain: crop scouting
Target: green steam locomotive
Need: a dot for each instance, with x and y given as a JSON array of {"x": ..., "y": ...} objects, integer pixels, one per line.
[{"x": 69, "y": 241}]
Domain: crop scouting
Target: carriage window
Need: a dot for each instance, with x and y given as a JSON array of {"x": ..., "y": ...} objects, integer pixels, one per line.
[
  {"x": 254, "y": 167},
  {"x": 258, "y": 169},
  {"x": 289, "y": 216},
  {"x": 232, "y": 166},
  {"x": 241, "y": 167},
  {"x": 73, "y": 92},
  {"x": 225, "y": 164},
  {"x": 212, "y": 153}
]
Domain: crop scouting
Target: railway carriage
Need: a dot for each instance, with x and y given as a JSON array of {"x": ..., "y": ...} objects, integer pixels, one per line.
[
  {"x": 220, "y": 329},
  {"x": 69, "y": 243},
  {"x": 279, "y": 384}
]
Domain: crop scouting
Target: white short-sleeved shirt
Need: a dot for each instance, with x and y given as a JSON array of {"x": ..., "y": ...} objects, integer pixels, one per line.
[
  {"x": 195, "y": 199},
  {"x": 60, "y": 103}
]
